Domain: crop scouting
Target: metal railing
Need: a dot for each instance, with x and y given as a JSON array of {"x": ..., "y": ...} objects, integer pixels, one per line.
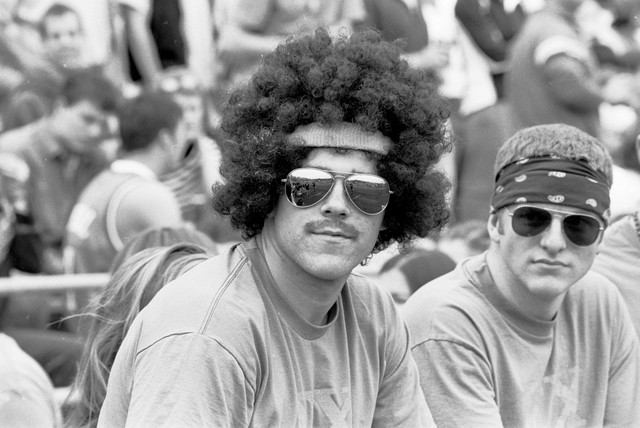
[{"x": 52, "y": 283}]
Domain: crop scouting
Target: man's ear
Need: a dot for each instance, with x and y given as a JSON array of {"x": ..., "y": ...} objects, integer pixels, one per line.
[{"x": 495, "y": 226}]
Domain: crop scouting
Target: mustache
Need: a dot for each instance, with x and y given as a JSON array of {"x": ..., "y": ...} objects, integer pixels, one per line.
[{"x": 343, "y": 228}]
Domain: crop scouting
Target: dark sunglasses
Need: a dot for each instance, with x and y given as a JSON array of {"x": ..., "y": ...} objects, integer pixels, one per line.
[
  {"x": 305, "y": 187},
  {"x": 581, "y": 229}
]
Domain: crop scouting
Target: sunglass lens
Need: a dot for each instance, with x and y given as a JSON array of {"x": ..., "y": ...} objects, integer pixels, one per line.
[
  {"x": 306, "y": 187},
  {"x": 369, "y": 193},
  {"x": 581, "y": 229},
  {"x": 529, "y": 221}
]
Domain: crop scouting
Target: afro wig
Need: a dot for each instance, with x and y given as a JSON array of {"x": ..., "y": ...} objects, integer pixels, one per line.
[{"x": 358, "y": 79}]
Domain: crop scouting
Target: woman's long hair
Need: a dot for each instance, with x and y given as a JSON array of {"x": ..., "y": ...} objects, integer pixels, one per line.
[{"x": 110, "y": 314}]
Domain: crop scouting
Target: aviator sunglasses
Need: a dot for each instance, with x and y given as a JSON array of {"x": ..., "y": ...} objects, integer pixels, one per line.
[
  {"x": 581, "y": 229},
  {"x": 305, "y": 187}
]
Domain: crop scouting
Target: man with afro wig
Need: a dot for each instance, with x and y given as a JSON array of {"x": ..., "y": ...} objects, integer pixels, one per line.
[{"x": 330, "y": 156}]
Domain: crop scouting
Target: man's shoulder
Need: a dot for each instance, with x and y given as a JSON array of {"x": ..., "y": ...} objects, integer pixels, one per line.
[
  {"x": 218, "y": 298},
  {"x": 593, "y": 290}
]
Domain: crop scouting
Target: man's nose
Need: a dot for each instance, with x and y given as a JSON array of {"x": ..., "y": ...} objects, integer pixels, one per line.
[
  {"x": 337, "y": 203},
  {"x": 553, "y": 238}
]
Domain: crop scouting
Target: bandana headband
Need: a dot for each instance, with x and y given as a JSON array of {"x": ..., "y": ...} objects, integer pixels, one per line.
[
  {"x": 341, "y": 135},
  {"x": 551, "y": 180}
]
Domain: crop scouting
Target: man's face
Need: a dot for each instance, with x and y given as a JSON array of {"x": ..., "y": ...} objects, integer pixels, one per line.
[
  {"x": 329, "y": 239},
  {"x": 193, "y": 114},
  {"x": 542, "y": 267},
  {"x": 63, "y": 39},
  {"x": 80, "y": 126}
]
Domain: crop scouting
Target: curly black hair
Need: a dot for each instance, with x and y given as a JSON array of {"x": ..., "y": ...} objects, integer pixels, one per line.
[{"x": 359, "y": 79}]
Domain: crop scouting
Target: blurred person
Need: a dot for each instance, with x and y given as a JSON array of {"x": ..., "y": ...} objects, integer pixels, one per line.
[
  {"x": 199, "y": 166},
  {"x": 64, "y": 50},
  {"x": 524, "y": 334},
  {"x": 492, "y": 25},
  {"x": 464, "y": 239},
  {"x": 554, "y": 76},
  {"x": 249, "y": 29},
  {"x": 63, "y": 153},
  {"x": 55, "y": 351},
  {"x": 183, "y": 33},
  {"x": 619, "y": 256},
  {"x": 403, "y": 274},
  {"x": 26, "y": 393},
  {"x": 278, "y": 330},
  {"x": 63, "y": 37},
  {"x": 141, "y": 273},
  {"x": 128, "y": 198}
]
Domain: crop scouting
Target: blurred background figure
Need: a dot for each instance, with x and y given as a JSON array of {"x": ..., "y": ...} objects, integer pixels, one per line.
[
  {"x": 464, "y": 239},
  {"x": 555, "y": 76},
  {"x": 200, "y": 156},
  {"x": 26, "y": 394},
  {"x": 63, "y": 38},
  {"x": 134, "y": 282},
  {"x": 619, "y": 256},
  {"x": 248, "y": 29},
  {"x": 63, "y": 153},
  {"x": 128, "y": 198}
]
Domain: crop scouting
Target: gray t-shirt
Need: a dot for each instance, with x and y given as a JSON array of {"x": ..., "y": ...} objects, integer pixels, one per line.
[
  {"x": 221, "y": 346},
  {"x": 483, "y": 363}
]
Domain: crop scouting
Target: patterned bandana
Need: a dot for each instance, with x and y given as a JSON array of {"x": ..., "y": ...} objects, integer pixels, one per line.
[{"x": 551, "y": 180}]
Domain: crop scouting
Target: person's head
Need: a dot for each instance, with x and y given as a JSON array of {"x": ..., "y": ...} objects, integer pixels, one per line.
[
  {"x": 163, "y": 237},
  {"x": 110, "y": 314},
  {"x": 403, "y": 274},
  {"x": 62, "y": 36},
  {"x": 83, "y": 111},
  {"x": 351, "y": 105},
  {"x": 185, "y": 88},
  {"x": 549, "y": 208},
  {"x": 152, "y": 120}
]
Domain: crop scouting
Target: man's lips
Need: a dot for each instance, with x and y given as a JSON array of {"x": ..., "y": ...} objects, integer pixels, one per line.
[
  {"x": 550, "y": 263},
  {"x": 332, "y": 228}
]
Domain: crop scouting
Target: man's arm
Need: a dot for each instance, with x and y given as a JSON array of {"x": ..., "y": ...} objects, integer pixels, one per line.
[
  {"x": 187, "y": 380},
  {"x": 456, "y": 381}
]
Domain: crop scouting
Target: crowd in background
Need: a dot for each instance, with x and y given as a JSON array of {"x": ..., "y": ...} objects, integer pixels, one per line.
[{"x": 110, "y": 127}]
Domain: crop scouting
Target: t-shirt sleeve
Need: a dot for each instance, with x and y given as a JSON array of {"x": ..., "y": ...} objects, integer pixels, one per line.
[{"x": 189, "y": 380}]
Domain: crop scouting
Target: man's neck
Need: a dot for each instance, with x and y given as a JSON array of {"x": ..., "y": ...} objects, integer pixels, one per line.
[
  {"x": 311, "y": 297},
  {"x": 508, "y": 286}
]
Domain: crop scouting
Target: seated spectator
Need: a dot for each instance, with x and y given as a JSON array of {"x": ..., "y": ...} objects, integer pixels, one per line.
[
  {"x": 63, "y": 154},
  {"x": 26, "y": 393},
  {"x": 525, "y": 334},
  {"x": 65, "y": 51},
  {"x": 199, "y": 166},
  {"x": 132, "y": 285},
  {"x": 127, "y": 198},
  {"x": 63, "y": 38}
]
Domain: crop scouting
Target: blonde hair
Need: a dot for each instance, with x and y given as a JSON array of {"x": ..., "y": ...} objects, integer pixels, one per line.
[{"x": 110, "y": 314}]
